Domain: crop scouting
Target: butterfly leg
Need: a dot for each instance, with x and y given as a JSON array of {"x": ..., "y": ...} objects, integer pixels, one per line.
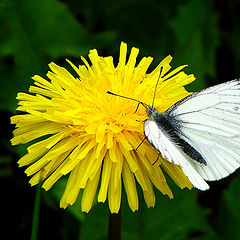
[
  {"x": 140, "y": 143},
  {"x": 156, "y": 159},
  {"x": 136, "y": 108}
]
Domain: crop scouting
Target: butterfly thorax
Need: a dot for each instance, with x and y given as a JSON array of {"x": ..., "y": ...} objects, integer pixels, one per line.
[{"x": 160, "y": 119}]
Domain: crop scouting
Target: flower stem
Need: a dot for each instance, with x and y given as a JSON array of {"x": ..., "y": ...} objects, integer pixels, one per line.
[
  {"x": 36, "y": 212},
  {"x": 114, "y": 225}
]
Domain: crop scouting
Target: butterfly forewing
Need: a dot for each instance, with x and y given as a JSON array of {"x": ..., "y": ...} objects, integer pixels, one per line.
[{"x": 209, "y": 120}]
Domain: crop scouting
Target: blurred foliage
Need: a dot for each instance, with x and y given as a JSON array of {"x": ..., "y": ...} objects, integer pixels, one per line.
[{"x": 203, "y": 34}]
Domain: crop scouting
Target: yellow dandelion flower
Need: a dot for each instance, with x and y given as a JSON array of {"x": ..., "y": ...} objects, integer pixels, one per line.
[{"x": 92, "y": 136}]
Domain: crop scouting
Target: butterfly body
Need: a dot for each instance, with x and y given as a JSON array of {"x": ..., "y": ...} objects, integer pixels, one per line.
[
  {"x": 200, "y": 133},
  {"x": 169, "y": 127}
]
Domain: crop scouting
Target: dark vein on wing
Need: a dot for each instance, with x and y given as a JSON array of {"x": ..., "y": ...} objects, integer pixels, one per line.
[
  {"x": 202, "y": 109},
  {"x": 197, "y": 123},
  {"x": 215, "y": 117}
]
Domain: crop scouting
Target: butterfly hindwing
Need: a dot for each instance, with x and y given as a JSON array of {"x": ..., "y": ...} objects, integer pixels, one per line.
[{"x": 168, "y": 149}]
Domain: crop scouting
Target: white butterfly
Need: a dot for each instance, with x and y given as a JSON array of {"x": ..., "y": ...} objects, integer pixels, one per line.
[{"x": 200, "y": 133}]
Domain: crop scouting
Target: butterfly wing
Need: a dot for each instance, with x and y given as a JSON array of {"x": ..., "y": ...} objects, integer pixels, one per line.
[
  {"x": 162, "y": 142},
  {"x": 209, "y": 121}
]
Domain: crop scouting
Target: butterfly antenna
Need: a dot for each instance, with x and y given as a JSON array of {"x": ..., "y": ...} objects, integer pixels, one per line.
[
  {"x": 144, "y": 104},
  {"x": 155, "y": 90}
]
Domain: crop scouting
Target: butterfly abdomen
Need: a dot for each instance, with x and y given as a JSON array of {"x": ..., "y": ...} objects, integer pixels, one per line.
[{"x": 173, "y": 131}]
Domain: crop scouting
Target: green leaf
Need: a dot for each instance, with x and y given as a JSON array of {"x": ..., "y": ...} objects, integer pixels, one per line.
[
  {"x": 33, "y": 34},
  {"x": 196, "y": 35},
  {"x": 95, "y": 226},
  {"x": 5, "y": 166},
  {"x": 179, "y": 218},
  {"x": 228, "y": 221},
  {"x": 54, "y": 195}
]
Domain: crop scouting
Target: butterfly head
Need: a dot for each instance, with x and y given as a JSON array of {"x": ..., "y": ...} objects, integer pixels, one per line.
[{"x": 151, "y": 112}]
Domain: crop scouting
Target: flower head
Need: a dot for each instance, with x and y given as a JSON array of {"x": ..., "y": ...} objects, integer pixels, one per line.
[{"x": 92, "y": 136}]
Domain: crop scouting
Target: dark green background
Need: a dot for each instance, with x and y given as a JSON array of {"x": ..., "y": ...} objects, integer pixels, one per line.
[{"x": 203, "y": 34}]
